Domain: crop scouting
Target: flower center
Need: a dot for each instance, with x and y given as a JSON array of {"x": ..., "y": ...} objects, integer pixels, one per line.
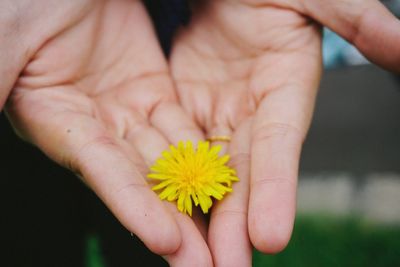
[{"x": 193, "y": 177}]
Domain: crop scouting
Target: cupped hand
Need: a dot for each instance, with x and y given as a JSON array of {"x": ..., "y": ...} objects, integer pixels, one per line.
[
  {"x": 250, "y": 69},
  {"x": 96, "y": 97}
]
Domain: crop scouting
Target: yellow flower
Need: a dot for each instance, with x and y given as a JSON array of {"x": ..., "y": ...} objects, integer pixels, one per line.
[{"x": 187, "y": 175}]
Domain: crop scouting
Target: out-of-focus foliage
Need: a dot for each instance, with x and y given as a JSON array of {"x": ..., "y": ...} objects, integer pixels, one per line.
[{"x": 328, "y": 241}]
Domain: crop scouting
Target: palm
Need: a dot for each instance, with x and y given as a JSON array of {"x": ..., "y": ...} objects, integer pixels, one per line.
[
  {"x": 106, "y": 70},
  {"x": 232, "y": 63},
  {"x": 97, "y": 98},
  {"x": 251, "y": 70}
]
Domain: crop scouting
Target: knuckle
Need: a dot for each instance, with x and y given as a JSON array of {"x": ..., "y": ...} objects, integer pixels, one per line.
[
  {"x": 239, "y": 159},
  {"x": 98, "y": 141},
  {"x": 276, "y": 130},
  {"x": 231, "y": 213},
  {"x": 82, "y": 156},
  {"x": 126, "y": 188},
  {"x": 274, "y": 180}
]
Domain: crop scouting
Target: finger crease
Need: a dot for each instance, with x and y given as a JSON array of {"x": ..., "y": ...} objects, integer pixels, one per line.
[
  {"x": 232, "y": 212},
  {"x": 279, "y": 180}
]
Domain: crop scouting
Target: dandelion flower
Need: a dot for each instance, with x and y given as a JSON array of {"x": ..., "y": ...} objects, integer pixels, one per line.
[{"x": 186, "y": 174}]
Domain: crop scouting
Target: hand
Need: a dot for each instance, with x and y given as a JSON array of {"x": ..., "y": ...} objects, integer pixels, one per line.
[
  {"x": 97, "y": 98},
  {"x": 250, "y": 69}
]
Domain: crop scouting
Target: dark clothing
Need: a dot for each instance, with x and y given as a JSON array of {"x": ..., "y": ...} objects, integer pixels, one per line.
[{"x": 167, "y": 17}]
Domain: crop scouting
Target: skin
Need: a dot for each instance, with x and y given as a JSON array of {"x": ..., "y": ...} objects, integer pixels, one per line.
[
  {"x": 96, "y": 96},
  {"x": 250, "y": 69},
  {"x": 92, "y": 90}
]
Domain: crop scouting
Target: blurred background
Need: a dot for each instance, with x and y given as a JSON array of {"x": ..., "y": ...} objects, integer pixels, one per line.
[
  {"x": 348, "y": 198},
  {"x": 349, "y": 186}
]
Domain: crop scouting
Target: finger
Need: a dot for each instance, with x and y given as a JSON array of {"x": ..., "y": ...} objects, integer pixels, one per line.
[
  {"x": 279, "y": 128},
  {"x": 171, "y": 125},
  {"x": 149, "y": 142},
  {"x": 228, "y": 236},
  {"x": 80, "y": 143},
  {"x": 170, "y": 119},
  {"x": 220, "y": 135},
  {"x": 193, "y": 250},
  {"x": 365, "y": 23}
]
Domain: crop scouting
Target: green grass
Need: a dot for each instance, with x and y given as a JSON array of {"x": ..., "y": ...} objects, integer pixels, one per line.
[
  {"x": 327, "y": 241},
  {"x": 317, "y": 241},
  {"x": 93, "y": 252}
]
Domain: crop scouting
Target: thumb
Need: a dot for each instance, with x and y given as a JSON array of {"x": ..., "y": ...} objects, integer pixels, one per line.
[
  {"x": 106, "y": 164},
  {"x": 365, "y": 23}
]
